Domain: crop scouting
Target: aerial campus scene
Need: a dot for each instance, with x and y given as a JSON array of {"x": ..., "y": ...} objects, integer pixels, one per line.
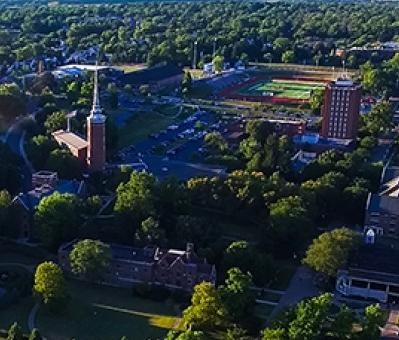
[{"x": 194, "y": 170}]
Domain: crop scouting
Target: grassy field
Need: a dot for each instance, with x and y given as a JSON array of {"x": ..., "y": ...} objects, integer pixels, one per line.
[
  {"x": 141, "y": 123},
  {"x": 282, "y": 88},
  {"x": 105, "y": 313}
]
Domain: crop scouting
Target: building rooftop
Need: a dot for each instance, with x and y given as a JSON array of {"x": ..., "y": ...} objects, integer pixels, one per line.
[
  {"x": 378, "y": 259},
  {"x": 31, "y": 199},
  {"x": 70, "y": 139}
]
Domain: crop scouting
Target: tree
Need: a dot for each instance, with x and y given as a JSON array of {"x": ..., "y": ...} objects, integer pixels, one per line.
[
  {"x": 35, "y": 335},
  {"x": 56, "y": 121},
  {"x": 39, "y": 149},
  {"x": 236, "y": 333},
  {"x": 15, "y": 332},
  {"x": 186, "y": 335},
  {"x": 50, "y": 285},
  {"x": 371, "y": 323},
  {"x": 311, "y": 318},
  {"x": 135, "y": 200},
  {"x": 64, "y": 163},
  {"x": 5, "y": 206},
  {"x": 330, "y": 251},
  {"x": 206, "y": 311},
  {"x": 90, "y": 258},
  {"x": 288, "y": 57},
  {"x": 10, "y": 171},
  {"x": 215, "y": 143},
  {"x": 113, "y": 95},
  {"x": 316, "y": 100},
  {"x": 12, "y": 102},
  {"x": 289, "y": 216},
  {"x": 342, "y": 325},
  {"x": 379, "y": 119},
  {"x": 57, "y": 219},
  {"x": 281, "y": 44},
  {"x": 242, "y": 255},
  {"x": 187, "y": 83},
  {"x": 150, "y": 233},
  {"x": 236, "y": 294},
  {"x": 218, "y": 62},
  {"x": 274, "y": 334}
]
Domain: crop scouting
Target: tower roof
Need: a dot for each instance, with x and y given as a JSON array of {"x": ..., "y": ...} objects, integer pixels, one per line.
[{"x": 96, "y": 114}]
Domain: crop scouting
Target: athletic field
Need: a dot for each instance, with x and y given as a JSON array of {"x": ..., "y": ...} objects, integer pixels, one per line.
[{"x": 281, "y": 88}]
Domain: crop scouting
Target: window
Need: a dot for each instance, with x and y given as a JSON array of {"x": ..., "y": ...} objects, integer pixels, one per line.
[
  {"x": 359, "y": 284},
  {"x": 394, "y": 289},
  {"x": 377, "y": 286}
]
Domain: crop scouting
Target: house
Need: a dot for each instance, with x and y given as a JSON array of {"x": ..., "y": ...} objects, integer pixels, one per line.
[
  {"x": 174, "y": 269},
  {"x": 44, "y": 184},
  {"x": 157, "y": 77}
]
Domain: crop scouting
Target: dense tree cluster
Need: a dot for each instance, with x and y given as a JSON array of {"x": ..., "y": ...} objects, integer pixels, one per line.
[
  {"x": 152, "y": 32},
  {"x": 331, "y": 250},
  {"x": 316, "y": 319}
]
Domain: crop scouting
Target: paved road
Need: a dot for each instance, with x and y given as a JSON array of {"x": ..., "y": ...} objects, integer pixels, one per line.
[
  {"x": 301, "y": 287},
  {"x": 32, "y": 317},
  {"x": 15, "y": 139}
]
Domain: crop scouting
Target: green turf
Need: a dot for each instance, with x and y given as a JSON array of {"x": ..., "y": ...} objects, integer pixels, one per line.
[
  {"x": 105, "y": 313},
  {"x": 286, "y": 89},
  {"x": 141, "y": 125}
]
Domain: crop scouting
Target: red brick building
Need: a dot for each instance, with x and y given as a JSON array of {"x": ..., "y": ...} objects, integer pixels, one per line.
[
  {"x": 91, "y": 151},
  {"x": 175, "y": 269},
  {"x": 340, "y": 110}
]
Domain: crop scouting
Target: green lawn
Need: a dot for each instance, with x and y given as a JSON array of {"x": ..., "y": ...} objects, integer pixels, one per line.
[
  {"x": 105, "y": 313},
  {"x": 279, "y": 88},
  {"x": 140, "y": 125}
]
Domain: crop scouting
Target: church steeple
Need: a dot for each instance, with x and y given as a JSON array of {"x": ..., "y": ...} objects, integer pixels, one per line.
[
  {"x": 96, "y": 95},
  {"x": 96, "y": 132},
  {"x": 96, "y": 111}
]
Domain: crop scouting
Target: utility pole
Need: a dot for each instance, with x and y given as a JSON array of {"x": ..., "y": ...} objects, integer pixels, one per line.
[
  {"x": 214, "y": 47},
  {"x": 195, "y": 55}
]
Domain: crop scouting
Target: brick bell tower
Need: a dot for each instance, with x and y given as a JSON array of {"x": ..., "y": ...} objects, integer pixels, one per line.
[{"x": 96, "y": 133}]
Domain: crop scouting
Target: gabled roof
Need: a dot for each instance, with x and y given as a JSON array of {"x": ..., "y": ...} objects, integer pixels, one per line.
[
  {"x": 31, "y": 199},
  {"x": 70, "y": 139}
]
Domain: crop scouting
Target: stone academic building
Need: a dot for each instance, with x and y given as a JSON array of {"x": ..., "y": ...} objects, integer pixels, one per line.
[{"x": 174, "y": 269}]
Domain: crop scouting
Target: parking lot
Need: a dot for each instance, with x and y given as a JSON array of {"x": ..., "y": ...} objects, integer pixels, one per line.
[{"x": 169, "y": 152}]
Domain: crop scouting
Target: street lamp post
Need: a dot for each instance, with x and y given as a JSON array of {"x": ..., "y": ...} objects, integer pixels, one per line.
[{"x": 195, "y": 55}]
